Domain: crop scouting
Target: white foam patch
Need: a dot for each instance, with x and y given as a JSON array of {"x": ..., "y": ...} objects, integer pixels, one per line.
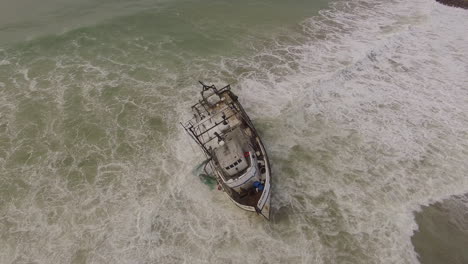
[{"x": 375, "y": 105}]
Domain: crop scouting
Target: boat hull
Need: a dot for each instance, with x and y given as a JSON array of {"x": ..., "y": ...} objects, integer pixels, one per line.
[
  {"x": 225, "y": 133},
  {"x": 263, "y": 205}
]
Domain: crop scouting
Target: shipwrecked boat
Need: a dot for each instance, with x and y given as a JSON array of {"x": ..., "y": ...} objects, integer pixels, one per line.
[{"x": 235, "y": 153}]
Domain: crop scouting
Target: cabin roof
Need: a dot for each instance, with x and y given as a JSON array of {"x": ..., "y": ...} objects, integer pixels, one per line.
[{"x": 231, "y": 155}]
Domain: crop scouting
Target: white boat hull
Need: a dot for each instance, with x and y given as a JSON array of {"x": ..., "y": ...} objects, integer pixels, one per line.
[
  {"x": 263, "y": 205},
  {"x": 237, "y": 156}
]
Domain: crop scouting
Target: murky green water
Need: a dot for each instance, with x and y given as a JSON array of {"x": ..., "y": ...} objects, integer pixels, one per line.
[{"x": 362, "y": 106}]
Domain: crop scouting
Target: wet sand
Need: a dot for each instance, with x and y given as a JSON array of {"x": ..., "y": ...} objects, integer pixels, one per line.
[
  {"x": 455, "y": 3},
  {"x": 443, "y": 232}
]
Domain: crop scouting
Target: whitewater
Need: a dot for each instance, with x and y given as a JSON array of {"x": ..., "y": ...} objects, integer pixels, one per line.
[{"x": 362, "y": 106}]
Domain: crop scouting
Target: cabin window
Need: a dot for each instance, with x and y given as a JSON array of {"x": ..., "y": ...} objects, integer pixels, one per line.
[
  {"x": 235, "y": 163},
  {"x": 239, "y": 161},
  {"x": 227, "y": 168},
  {"x": 231, "y": 166}
]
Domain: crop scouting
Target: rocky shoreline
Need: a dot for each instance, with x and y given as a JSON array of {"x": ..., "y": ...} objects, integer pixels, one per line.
[{"x": 455, "y": 3}]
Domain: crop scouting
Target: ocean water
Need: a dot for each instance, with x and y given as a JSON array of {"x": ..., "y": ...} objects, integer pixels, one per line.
[{"x": 362, "y": 105}]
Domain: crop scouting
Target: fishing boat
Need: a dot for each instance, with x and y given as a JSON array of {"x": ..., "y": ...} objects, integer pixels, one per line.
[{"x": 235, "y": 154}]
